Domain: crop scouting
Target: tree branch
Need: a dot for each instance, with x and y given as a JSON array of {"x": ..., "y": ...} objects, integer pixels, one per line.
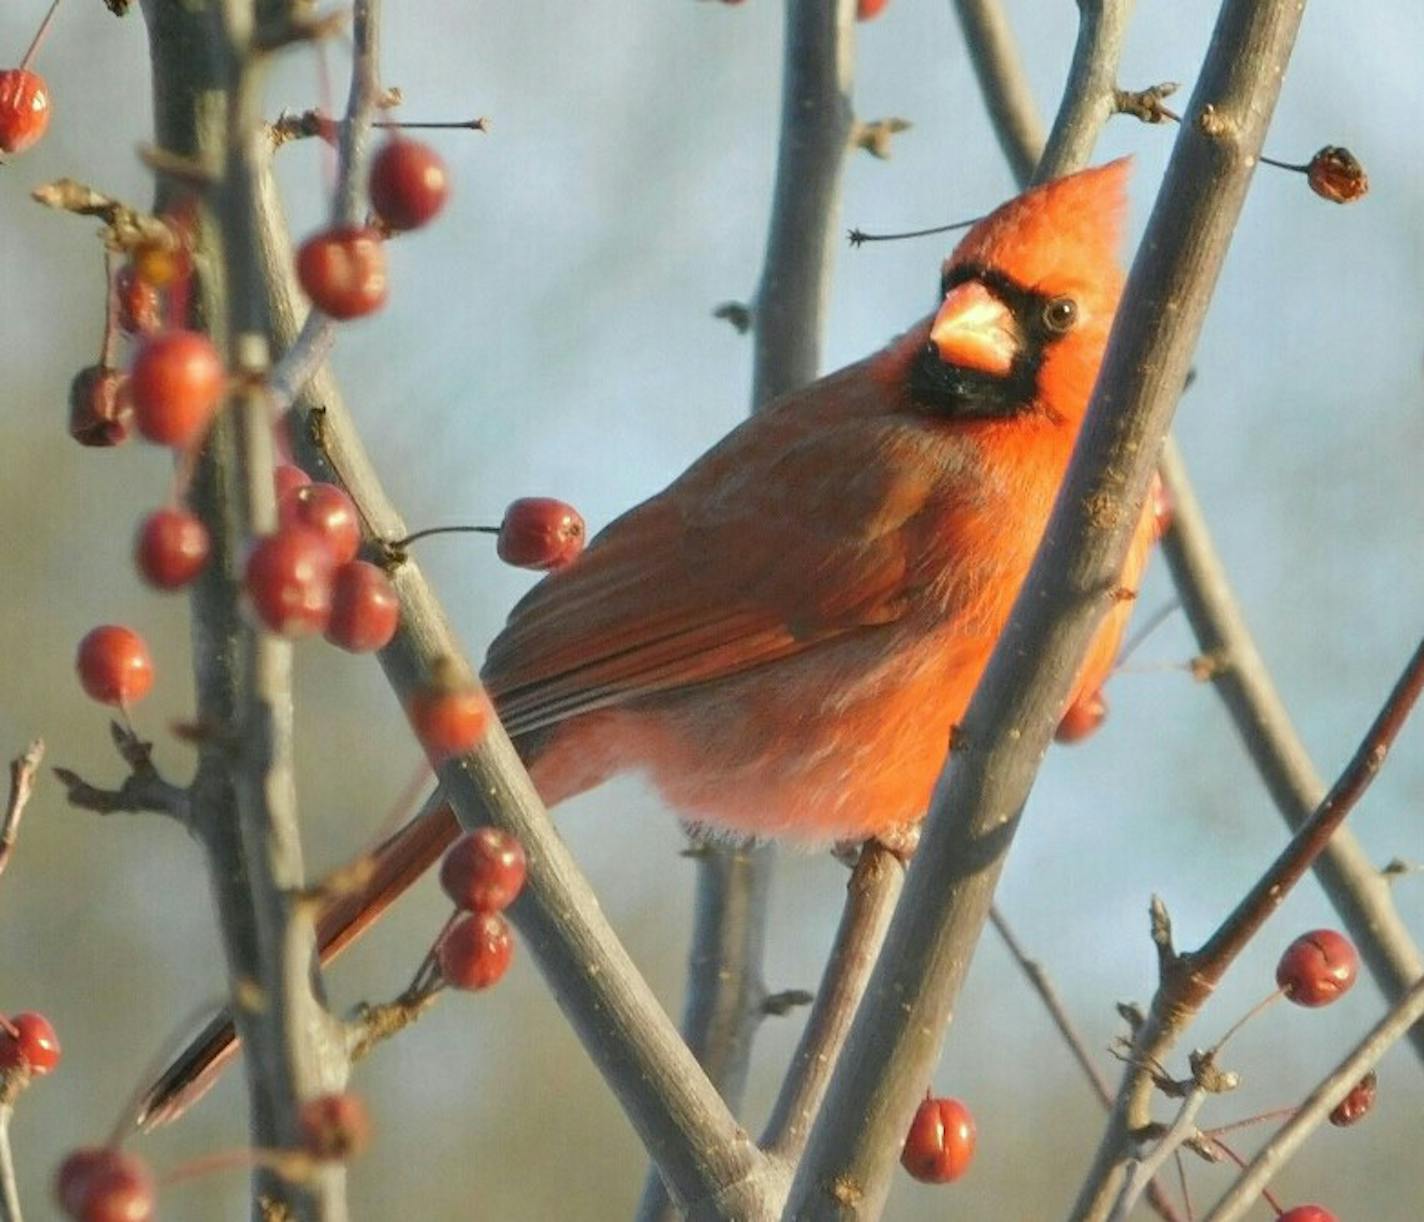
[
  {"x": 874, "y": 888},
  {"x": 22, "y": 784},
  {"x": 1091, "y": 96},
  {"x": 725, "y": 984},
  {"x": 898, "y": 1031},
  {"x": 208, "y": 108},
  {"x": 1404, "y": 1015},
  {"x": 1013, "y": 115}
]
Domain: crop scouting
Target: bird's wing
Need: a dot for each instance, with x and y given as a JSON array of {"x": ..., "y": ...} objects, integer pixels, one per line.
[{"x": 786, "y": 534}]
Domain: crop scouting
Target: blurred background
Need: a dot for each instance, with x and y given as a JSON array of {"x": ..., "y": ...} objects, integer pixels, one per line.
[{"x": 553, "y": 335}]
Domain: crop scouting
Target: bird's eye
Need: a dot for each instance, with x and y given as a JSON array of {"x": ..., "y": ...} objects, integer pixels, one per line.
[{"x": 1060, "y": 314}]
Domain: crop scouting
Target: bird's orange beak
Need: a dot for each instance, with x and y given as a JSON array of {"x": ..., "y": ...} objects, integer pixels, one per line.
[{"x": 975, "y": 330}]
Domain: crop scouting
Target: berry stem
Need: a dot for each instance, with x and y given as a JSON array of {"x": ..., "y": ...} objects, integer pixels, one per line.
[
  {"x": 1284, "y": 165},
  {"x": 470, "y": 125},
  {"x": 109, "y": 345},
  {"x": 39, "y": 37},
  {"x": 1241, "y": 1162},
  {"x": 1278, "y": 1113},
  {"x": 402, "y": 544},
  {"x": 858, "y": 237},
  {"x": 1264, "y": 1004}
]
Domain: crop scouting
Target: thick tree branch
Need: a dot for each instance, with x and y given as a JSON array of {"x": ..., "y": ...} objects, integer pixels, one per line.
[
  {"x": 208, "y": 108},
  {"x": 1405, "y": 1015},
  {"x": 725, "y": 985},
  {"x": 815, "y": 126},
  {"x": 899, "y": 1029},
  {"x": 1091, "y": 96},
  {"x": 1356, "y": 889}
]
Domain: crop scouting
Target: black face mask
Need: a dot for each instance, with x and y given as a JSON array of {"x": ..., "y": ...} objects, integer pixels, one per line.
[{"x": 956, "y": 392}]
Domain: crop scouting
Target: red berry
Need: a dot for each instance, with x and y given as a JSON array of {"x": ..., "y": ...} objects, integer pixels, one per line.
[
  {"x": 287, "y": 478},
  {"x": 1082, "y": 718},
  {"x": 940, "y": 1144},
  {"x": 102, "y": 1184},
  {"x": 343, "y": 271},
  {"x": 140, "y": 305},
  {"x": 539, "y": 532},
  {"x": 171, "y": 548},
  {"x": 1336, "y": 175},
  {"x": 1307, "y": 1213},
  {"x": 364, "y": 608},
  {"x": 100, "y": 411},
  {"x": 1355, "y": 1106},
  {"x": 326, "y": 509},
  {"x": 1318, "y": 967},
  {"x": 24, "y": 109},
  {"x": 483, "y": 871},
  {"x": 334, "y": 1127},
  {"x": 288, "y": 579},
  {"x": 449, "y": 721},
  {"x": 28, "y": 1040},
  {"x": 114, "y": 665},
  {"x": 409, "y": 184},
  {"x": 475, "y": 951},
  {"x": 866, "y": 9},
  {"x": 176, "y": 383}
]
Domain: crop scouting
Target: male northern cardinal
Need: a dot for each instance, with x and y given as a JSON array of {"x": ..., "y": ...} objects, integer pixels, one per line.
[{"x": 785, "y": 636}]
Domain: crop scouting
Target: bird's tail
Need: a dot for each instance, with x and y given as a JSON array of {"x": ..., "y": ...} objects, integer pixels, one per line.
[{"x": 396, "y": 864}]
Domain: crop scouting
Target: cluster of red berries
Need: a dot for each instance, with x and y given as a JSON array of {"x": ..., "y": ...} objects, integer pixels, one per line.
[
  {"x": 343, "y": 268},
  {"x": 482, "y": 873}
]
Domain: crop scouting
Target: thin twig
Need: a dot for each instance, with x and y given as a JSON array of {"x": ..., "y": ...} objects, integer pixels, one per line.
[
  {"x": 1358, "y": 892},
  {"x": 1183, "y": 1127},
  {"x": 900, "y": 1027},
  {"x": 1043, "y": 986},
  {"x": 22, "y": 784},
  {"x": 1188, "y": 979},
  {"x": 872, "y": 892},
  {"x": 1318, "y": 1105},
  {"x": 1004, "y": 84},
  {"x": 1077, "y": 1045}
]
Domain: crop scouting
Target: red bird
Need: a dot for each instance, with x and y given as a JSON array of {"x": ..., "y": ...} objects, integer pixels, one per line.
[{"x": 784, "y": 637}]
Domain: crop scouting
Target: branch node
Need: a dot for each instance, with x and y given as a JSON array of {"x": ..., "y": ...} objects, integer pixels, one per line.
[
  {"x": 875, "y": 135},
  {"x": 776, "y": 1005},
  {"x": 738, "y": 313},
  {"x": 1146, "y": 105}
]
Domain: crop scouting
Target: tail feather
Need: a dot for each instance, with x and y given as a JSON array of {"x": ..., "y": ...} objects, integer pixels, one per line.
[{"x": 398, "y": 863}]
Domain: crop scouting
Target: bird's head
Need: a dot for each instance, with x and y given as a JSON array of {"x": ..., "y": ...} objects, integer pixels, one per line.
[{"x": 1026, "y": 302}]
